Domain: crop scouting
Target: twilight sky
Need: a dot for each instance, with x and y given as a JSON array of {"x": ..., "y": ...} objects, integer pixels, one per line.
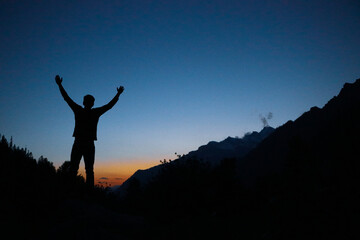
[{"x": 193, "y": 71}]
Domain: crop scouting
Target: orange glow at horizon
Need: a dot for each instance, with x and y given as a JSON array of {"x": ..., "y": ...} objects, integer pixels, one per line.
[{"x": 112, "y": 173}]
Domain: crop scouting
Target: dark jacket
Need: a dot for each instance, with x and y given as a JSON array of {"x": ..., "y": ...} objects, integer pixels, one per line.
[{"x": 86, "y": 120}]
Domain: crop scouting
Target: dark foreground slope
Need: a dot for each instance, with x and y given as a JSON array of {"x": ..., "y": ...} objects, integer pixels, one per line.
[{"x": 39, "y": 202}]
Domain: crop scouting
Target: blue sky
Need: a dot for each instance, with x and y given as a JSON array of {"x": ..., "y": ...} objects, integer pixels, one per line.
[{"x": 193, "y": 71}]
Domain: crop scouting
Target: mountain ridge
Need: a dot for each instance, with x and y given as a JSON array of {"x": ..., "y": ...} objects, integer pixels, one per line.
[
  {"x": 312, "y": 130},
  {"x": 300, "y": 182},
  {"x": 212, "y": 153}
]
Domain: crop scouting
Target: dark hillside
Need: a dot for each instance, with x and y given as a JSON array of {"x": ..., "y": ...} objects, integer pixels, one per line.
[
  {"x": 299, "y": 183},
  {"x": 306, "y": 173},
  {"x": 326, "y": 137},
  {"x": 39, "y": 202}
]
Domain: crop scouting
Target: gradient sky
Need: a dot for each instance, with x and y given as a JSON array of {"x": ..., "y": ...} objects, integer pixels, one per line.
[{"x": 193, "y": 71}]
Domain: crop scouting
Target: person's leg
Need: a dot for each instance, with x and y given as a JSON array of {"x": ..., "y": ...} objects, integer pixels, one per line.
[
  {"x": 76, "y": 154},
  {"x": 89, "y": 159}
]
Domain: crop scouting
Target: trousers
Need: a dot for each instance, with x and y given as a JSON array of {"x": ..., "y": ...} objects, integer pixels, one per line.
[{"x": 83, "y": 148}]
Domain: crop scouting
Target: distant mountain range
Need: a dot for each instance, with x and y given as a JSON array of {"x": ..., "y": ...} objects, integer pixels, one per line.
[
  {"x": 299, "y": 182},
  {"x": 212, "y": 153},
  {"x": 321, "y": 136}
]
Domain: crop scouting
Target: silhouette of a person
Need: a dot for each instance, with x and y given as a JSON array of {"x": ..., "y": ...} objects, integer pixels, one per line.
[{"x": 86, "y": 120}]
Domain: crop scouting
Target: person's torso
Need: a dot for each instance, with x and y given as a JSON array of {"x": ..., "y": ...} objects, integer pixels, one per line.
[{"x": 86, "y": 121}]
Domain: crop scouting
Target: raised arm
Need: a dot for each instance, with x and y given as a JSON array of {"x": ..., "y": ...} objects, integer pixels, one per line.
[
  {"x": 108, "y": 106},
  {"x": 66, "y": 97}
]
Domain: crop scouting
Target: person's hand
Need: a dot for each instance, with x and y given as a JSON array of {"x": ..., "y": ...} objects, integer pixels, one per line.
[
  {"x": 120, "y": 89},
  {"x": 58, "y": 80}
]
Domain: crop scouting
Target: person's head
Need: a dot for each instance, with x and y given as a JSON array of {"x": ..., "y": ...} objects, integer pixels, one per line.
[{"x": 88, "y": 101}]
